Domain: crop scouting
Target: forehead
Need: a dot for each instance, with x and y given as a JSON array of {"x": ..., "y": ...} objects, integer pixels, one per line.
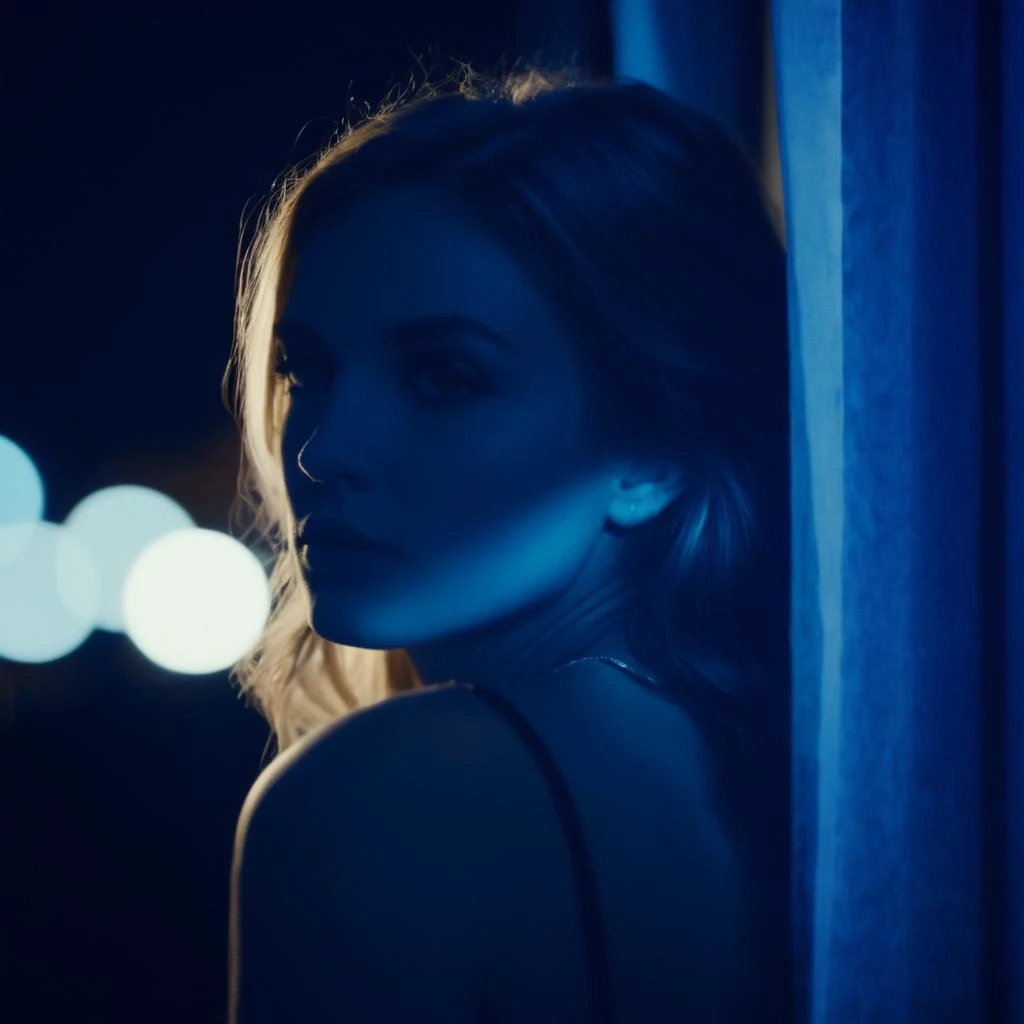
[{"x": 411, "y": 251}]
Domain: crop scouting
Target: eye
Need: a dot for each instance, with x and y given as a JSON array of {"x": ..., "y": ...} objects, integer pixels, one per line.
[
  {"x": 287, "y": 377},
  {"x": 452, "y": 378},
  {"x": 449, "y": 377},
  {"x": 283, "y": 370},
  {"x": 290, "y": 373}
]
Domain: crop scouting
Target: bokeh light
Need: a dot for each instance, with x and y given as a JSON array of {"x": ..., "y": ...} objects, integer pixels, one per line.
[
  {"x": 195, "y": 601},
  {"x": 49, "y": 592},
  {"x": 117, "y": 524},
  {"x": 22, "y": 496}
]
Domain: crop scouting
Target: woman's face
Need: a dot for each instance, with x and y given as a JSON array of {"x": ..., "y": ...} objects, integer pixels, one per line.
[{"x": 467, "y": 449}]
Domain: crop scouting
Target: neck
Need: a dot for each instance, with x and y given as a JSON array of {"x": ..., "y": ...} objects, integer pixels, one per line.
[{"x": 514, "y": 656}]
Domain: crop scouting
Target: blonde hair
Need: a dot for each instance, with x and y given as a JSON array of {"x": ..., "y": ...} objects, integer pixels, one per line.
[{"x": 651, "y": 220}]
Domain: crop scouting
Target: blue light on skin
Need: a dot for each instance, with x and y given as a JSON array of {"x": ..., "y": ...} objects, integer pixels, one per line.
[{"x": 473, "y": 455}]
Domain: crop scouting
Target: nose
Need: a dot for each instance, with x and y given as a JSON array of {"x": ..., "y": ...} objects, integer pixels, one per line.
[{"x": 349, "y": 439}]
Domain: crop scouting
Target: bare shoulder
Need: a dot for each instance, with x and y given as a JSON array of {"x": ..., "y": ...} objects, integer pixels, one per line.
[
  {"x": 396, "y": 822},
  {"x": 357, "y": 876},
  {"x": 374, "y": 745}
]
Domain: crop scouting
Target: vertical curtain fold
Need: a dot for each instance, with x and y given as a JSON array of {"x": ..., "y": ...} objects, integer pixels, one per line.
[
  {"x": 895, "y": 509},
  {"x": 907, "y": 481},
  {"x": 706, "y": 54}
]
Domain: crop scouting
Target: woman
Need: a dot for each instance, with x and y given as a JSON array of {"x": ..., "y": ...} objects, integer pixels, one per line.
[{"x": 513, "y": 389}]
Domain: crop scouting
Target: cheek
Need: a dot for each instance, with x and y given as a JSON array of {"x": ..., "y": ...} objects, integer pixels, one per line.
[
  {"x": 500, "y": 562},
  {"x": 512, "y": 450},
  {"x": 485, "y": 538},
  {"x": 527, "y": 557},
  {"x": 502, "y": 493},
  {"x": 518, "y": 484}
]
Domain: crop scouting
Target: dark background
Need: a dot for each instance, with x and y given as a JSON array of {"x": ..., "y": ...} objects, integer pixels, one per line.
[{"x": 132, "y": 148}]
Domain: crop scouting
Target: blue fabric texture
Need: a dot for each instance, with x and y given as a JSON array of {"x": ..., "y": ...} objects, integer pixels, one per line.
[{"x": 879, "y": 141}]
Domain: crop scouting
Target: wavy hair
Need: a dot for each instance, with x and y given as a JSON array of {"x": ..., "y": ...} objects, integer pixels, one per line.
[{"x": 652, "y": 231}]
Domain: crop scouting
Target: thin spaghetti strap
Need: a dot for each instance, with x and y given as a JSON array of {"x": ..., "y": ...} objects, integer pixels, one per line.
[{"x": 599, "y": 982}]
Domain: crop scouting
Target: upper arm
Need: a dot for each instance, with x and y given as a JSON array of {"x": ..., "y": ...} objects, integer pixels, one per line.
[{"x": 356, "y": 882}]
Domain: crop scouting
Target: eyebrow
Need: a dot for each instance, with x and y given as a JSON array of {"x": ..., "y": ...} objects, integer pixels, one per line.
[{"x": 402, "y": 333}]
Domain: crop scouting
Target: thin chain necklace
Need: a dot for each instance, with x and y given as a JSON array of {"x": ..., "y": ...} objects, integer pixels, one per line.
[
  {"x": 611, "y": 661},
  {"x": 653, "y": 684},
  {"x": 646, "y": 681},
  {"x": 721, "y": 718},
  {"x": 735, "y": 730}
]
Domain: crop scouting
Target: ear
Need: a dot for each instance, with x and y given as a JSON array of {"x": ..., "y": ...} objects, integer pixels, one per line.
[{"x": 641, "y": 491}]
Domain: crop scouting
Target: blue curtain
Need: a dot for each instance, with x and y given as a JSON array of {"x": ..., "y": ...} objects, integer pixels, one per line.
[
  {"x": 902, "y": 168},
  {"x": 876, "y": 123},
  {"x": 907, "y": 590},
  {"x": 707, "y": 53}
]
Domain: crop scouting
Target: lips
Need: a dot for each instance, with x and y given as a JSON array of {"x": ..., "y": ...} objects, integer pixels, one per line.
[{"x": 340, "y": 534}]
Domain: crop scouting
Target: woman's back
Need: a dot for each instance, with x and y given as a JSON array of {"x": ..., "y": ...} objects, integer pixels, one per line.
[{"x": 675, "y": 896}]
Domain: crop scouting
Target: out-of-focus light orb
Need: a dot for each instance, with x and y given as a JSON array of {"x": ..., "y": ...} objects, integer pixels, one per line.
[
  {"x": 117, "y": 524},
  {"x": 195, "y": 601},
  {"x": 22, "y": 496},
  {"x": 49, "y": 592}
]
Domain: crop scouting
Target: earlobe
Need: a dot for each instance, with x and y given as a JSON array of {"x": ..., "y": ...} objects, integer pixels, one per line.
[
  {"x": 633, "y": 512},
  {"x": 634, "y": 504}
]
